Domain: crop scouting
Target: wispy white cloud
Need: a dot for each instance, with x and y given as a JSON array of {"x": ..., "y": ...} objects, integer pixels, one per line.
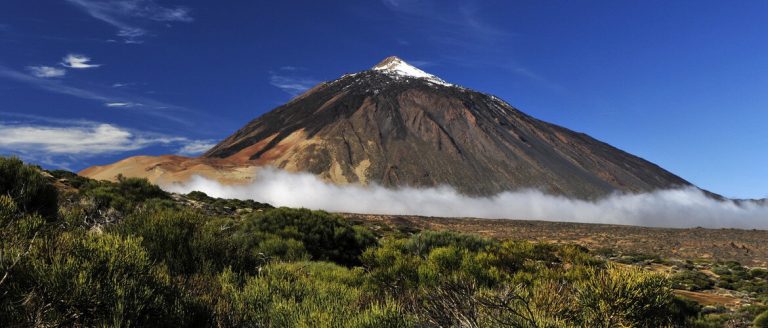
[
  {"x": 64, "y": 142},
  {"x": 451, "y": 23},
  {"x": 287, "y": 80},
  {"x": 46, "y": 71},
  {"x": 130, "y": 16},
  {"x": 421, "y": 63},
  {"x": 148, "y": 105},
  {"x": 55, "y": 86},
  {"x": 196, "y": 147},
  {"x": 122, "y": 104},
  {"x": 82, "y": 139},
  {"x": 77, "y": 61}
]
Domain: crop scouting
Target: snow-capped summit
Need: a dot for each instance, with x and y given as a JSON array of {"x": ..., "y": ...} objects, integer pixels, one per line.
[{"x": 396, "y": 66}]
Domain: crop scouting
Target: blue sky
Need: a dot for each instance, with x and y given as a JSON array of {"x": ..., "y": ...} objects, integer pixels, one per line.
[{"x": 683, "y": 84}]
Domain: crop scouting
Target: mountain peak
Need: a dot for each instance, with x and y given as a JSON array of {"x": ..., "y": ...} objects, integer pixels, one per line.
[{"x": 393, "y": 65}]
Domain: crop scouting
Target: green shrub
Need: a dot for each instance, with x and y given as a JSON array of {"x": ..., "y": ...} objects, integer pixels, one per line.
[
  {"x": 423, "y": 243},
  {"x": 92, "y": 280},
  {"x": 761, "y": 321},
  {"x": 168, "y": 236},
  {"x": 29, "y": 189},
  {"x": 124, "y": 195},
  {"x": 303, "y": 294},
  {"x": 327, "y": 237},
  {"x": 621, "y": 296},
  {"x": 691, "y": 280}
]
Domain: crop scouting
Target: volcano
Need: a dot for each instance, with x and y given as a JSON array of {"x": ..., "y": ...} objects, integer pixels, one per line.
[{"x": 396, "y": 125}]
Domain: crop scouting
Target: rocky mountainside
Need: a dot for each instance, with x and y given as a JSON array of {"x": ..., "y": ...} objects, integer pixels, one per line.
[{"x": 396, "y": 125}]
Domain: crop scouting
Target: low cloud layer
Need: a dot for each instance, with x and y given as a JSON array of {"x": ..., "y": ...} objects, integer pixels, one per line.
[{"x": 666, "y": 208}]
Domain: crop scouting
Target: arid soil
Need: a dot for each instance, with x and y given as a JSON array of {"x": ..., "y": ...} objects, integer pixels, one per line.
[{"x": 749, "y": 247}]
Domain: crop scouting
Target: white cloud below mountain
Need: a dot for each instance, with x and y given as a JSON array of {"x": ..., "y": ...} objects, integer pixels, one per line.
[{"x": 687, "y": 207}]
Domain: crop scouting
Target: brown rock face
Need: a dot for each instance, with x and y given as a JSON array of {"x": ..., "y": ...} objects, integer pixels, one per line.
[{"x": 379, "y": 126}]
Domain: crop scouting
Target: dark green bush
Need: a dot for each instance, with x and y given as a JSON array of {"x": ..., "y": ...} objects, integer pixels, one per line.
[
  {"x": 761, "y": 321},
  {"x": 691, "y": 280},
  {"x": 327, "y": 237},
  {"x": 30, "y": 190},
  {"x": 303, "y": 294},
  {"x": 92, "y": 280},
  {"x": 124, "y": 195}
]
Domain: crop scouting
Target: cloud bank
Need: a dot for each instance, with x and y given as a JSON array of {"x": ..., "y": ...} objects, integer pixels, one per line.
[{"x": 666, "y": 208}]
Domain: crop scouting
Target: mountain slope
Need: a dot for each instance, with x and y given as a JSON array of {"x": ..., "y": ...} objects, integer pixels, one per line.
[{"x": 396, "y": 125}]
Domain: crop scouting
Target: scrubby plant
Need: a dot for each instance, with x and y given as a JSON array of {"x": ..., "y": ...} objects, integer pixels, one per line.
[
  {"x": 92, "y": 279},
  {"x": 761, "y": 321},
  {"x": 30, "y": 190},
  {"x": 691, "y": 280},
  {"x": 303, "y": 294},
  {"x": 624, "y": 296},
  {"x": 124, "y": 194},
  {"x": 327, "y": 237}
]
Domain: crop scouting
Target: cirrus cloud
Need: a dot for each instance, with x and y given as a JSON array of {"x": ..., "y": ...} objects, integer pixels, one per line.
[
  {"x": 131, "y": 16},
  {"x": 46, "y": 71},
  {"x": 87, "y": 138},
  {"x": 196, "y": 147},
  {"x": 78, "y": 61}
]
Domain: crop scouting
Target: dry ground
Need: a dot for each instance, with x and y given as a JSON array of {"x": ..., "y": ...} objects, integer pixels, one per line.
[{"x": 749, "y": 247}]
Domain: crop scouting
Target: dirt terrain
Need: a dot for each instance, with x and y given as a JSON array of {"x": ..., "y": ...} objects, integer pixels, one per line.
[{"x": 749, "y": 247}]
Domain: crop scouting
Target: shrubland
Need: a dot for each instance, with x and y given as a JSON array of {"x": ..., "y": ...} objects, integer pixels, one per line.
[{"x": 79, "y": 252}]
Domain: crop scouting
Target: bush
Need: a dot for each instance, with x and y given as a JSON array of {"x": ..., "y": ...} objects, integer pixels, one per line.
[
  {"x": 624, "y": 297},
  {"x": 327, "y": 237},
  {"x": 29, "y": 189},
  {"x": 92, "y": 280},
  {"x": 124, "y": 195},
  {"x": 761, "y": 321},
  {"x": 168, "y": 236},
  {"x": 303, "y": 294},
  {"x": 691, "y": 280}
]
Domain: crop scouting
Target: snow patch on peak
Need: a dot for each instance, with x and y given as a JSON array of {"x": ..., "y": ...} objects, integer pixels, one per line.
[{"x": 396, "y": 66}]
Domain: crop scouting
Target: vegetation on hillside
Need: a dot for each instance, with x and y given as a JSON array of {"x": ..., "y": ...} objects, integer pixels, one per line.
[{"x": 79, "y": 252}]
